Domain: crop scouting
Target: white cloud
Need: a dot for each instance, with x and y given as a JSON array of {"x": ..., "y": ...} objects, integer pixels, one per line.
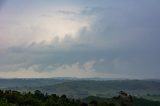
[
  {"x": 78, "y": 70},
  {"x": 33, "y": 27}
]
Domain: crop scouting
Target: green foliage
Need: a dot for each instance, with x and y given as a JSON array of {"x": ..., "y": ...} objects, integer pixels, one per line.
[{"x": 15, "y": 98}]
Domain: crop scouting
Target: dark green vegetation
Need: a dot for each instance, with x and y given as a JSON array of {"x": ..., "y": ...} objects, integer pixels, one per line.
[{"x": 15, "y": 98}]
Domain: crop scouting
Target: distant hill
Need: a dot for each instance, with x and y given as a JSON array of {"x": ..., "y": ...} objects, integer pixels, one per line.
[
  {"x": 84, "y": 87},
  {"x": 103, "y": 88},
  {"x": 35, "y": 82}
]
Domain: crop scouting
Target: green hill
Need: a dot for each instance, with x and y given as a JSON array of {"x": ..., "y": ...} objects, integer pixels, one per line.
[
  {"x": 80, "y": 88},
  {"x": 83, "y": 88}
]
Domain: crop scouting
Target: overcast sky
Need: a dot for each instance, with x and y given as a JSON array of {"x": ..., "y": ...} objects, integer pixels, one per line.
[{"x": 80, "y": 38}]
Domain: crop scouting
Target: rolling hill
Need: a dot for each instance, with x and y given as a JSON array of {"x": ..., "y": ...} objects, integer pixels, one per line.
[{"x": 82, "y": 88}]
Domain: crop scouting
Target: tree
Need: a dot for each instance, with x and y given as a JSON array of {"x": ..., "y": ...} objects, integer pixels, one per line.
[
  {"x": 93, "y": 103},
  {"x": 39, "y": 94},
  {"x": 84, "y": 104}
]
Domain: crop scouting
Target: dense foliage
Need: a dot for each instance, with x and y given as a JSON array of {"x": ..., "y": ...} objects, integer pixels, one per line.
[{"x": 15, "y": 98}]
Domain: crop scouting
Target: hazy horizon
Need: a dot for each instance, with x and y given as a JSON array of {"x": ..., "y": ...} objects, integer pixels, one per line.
[{"x": 80, "y": 39}]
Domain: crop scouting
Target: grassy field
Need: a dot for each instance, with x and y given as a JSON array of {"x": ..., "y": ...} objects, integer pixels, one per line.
[{"x": 152, "y": 97}]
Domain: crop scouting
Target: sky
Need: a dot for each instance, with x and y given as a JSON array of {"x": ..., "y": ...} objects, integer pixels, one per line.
[{"x": 80, "y": 38}]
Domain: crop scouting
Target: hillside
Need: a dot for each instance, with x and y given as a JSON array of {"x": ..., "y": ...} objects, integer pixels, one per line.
[
  {"x": 84, "y": 88},
  {"x": 35, "y": 82}
]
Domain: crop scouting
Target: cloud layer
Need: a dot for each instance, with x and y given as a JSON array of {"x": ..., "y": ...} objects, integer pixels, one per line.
[{"x": 118, "y": 39}]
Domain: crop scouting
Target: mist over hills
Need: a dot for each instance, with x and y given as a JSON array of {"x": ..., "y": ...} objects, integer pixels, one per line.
[{"x": 74, "y": 87}]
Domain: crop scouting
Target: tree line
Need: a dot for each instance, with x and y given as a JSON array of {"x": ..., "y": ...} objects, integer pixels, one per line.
[{"x": 37, "y": 98}]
